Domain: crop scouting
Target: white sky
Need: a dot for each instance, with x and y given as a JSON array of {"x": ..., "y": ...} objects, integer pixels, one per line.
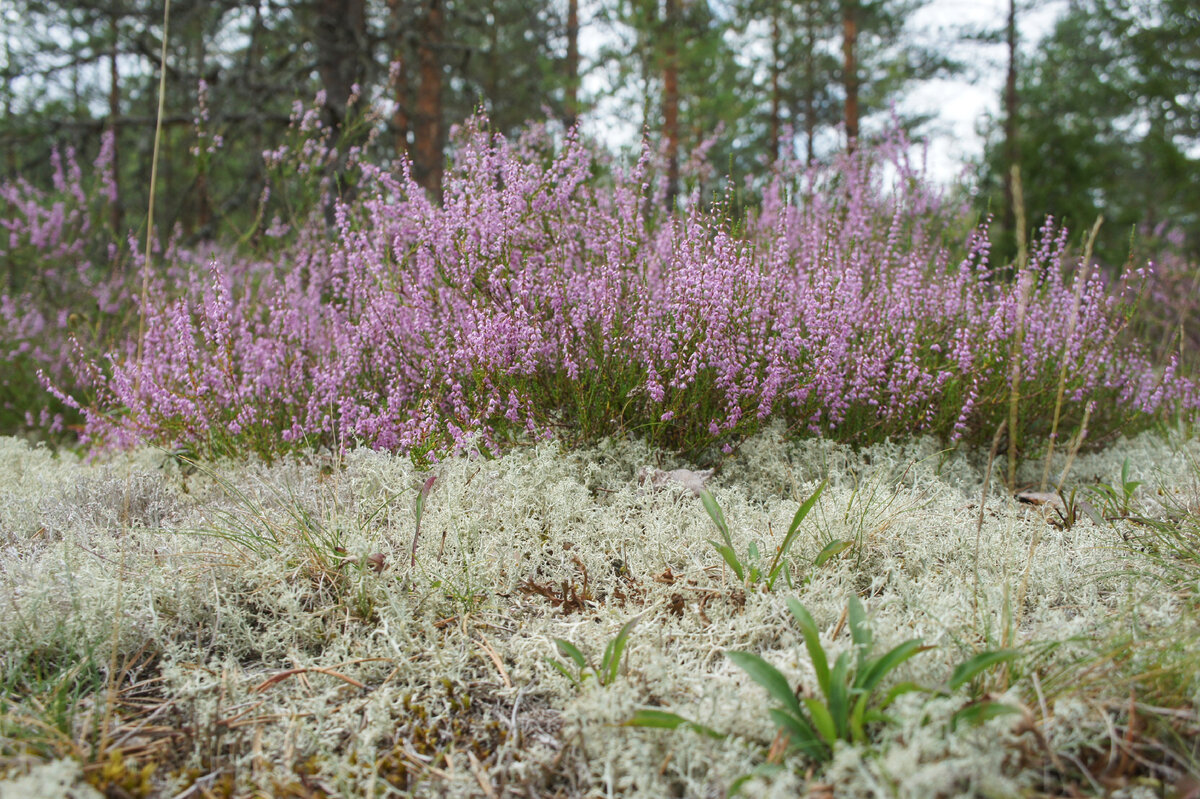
[{"x": 960, "y": 106}]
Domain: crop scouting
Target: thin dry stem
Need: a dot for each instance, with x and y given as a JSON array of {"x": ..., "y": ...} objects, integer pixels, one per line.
[
  {"x": 1076, "y": 443},
  {"x": 1062, "y": 371},
  {"x": 162, "y": 94}
]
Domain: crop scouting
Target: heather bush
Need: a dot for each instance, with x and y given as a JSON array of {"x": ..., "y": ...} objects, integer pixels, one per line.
[
  {"x": 539, "y": 301},
  {"x": 63, "y": 277}
]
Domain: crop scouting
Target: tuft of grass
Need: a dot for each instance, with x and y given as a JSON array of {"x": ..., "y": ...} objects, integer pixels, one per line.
[{"x": 749, "y": 572}]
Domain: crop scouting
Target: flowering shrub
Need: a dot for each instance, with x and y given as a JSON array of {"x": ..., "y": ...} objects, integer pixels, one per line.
[
  {"x": 538, "y": 300},
  {"x": 62, "y": 277}
]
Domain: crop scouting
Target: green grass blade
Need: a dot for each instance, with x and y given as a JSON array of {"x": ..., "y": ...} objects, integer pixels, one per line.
[
  {"x": 802, "y": 734},
  {"x": 969, "y": 669},
  {"x": 666, "y": 720},
  {"x": 761, "y": 770},
  {"x": 858, "y": 731},
  {"x": 569, "y": 649},
  {"x": 793, "y": 530},
  {"x": 714, "y": 513},
  {"x": 859, "y": 631},
  {"x": 831, "y": 550},
  {"x": 980, "y": 712},
  {"x": 878, "y": 669},
  {"x": 615, "y": 649},
  {"x": 897, "y": 690},
  {"x": 768, "y": 677},
  {"x": 822, "y": 720},
  {"x": 564, "y": 671},
  {"x": 838, "y": 695},
  {"x": 812, "y": 641},
  {"x": 731, "y": 559}
]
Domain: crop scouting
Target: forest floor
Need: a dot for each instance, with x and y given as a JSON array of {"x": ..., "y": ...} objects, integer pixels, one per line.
[{"x": 222, "y": 629}]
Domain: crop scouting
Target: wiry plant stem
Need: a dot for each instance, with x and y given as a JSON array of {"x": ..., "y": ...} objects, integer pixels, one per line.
[
  {"x": 1080, "y": 279},
  {"x": 162, "y": 95},
  {"x": 1014, "y": 397}
]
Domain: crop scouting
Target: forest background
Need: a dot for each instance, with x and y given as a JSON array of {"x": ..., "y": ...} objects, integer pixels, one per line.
[{"x": 1102, "y": 112}]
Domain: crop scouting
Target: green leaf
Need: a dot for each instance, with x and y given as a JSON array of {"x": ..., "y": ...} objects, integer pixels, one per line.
[
  {"x": 614, "y": 650},
  {"x": 768, "y": 677},
  {"x": 666, "y": 720},
  {"x": 792, "y": 532},
  {"x": 714, "y": 513},
  {"x": 838, "y": 695},
  {"x": 812, "y": 641},
  {"x": 564, "y": 671},
  {"x": 570, "y": 650},
  {"x": 898, "y": 690},
  {"x": 831, "y": 550},
  {"x": 730, "y": 558},
  {"x": 822, "y": 720},
  {"x": 879, "y": 668},
  {"x": 761, "y": 770},
  {"x": 858, "y": 732},
  {"x": 801, "y": 732},
  {"x": 859, "y": 631},
  {"x": 980, "y": 712},
  {"x": 969, "y": 669}
]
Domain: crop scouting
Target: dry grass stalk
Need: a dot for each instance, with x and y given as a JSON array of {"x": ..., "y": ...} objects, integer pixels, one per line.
[
  {"x": 1080, "y": 280},
  {"x": 162, "y": 96},
  {"x": 1076, "y": 443},
  {"x": 1019, "y": 337}
]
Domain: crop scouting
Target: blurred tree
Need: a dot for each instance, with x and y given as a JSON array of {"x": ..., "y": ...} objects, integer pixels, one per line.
[
  {"x": 672, "y": 64},
  {"x": 795, "y": 75},
  {"x": 1109, "y": 122}
]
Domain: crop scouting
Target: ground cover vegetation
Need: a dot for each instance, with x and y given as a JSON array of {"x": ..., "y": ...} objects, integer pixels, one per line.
[
  {"x": 412, "y": 467},
  {"x": 393, "y": 467}
]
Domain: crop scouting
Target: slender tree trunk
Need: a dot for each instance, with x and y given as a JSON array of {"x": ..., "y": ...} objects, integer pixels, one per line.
[
  {"x": 810, "y": 80},
  {"x": 341, "y": 42},
  {"x": 850, "y": 69},
  {"x": 204, "y": 212},
  {"x": 398, "y": 77},
  {"x": 427, "y": 143},
  {"x": 571, "y": 106},
  {"x": 776, "y": 68},
  {"x": 115, "y": 212},
  {"x": 1012, "y": 152},
  {"x": 671, "y": 101}
]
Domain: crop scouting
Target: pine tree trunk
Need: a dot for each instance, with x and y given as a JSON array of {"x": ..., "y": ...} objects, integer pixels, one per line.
[
  {"x": 398, "y": 77},
  {"x": 427, "y": 144},
  {"x": 850, "y": 69},
  {"x": 671, "y": 101},
  {"x": 776, "y": 68},
  {"x": 115, "y": 214},
  {"x": 1012, "y": 153},
  {"x": 341, "y": 44},
  {"x": 810, "y": 80},
  {"x": 571, "y": 109}
]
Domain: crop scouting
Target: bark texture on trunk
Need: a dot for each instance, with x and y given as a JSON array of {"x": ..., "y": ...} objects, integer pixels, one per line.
[
  {"x": 671, "y": 100},
  {"x": 776, "y": 69},
  {"x": 571, "y": 109},
  {"x": 116, "y": 215},
  {"x": 850, "y": 69},
  {"x": 1012, "y": 152},
  {"x": 427, "y": 128},
  {"x": 341, "y": 30},
  {"x": 398, "y": 78}
]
